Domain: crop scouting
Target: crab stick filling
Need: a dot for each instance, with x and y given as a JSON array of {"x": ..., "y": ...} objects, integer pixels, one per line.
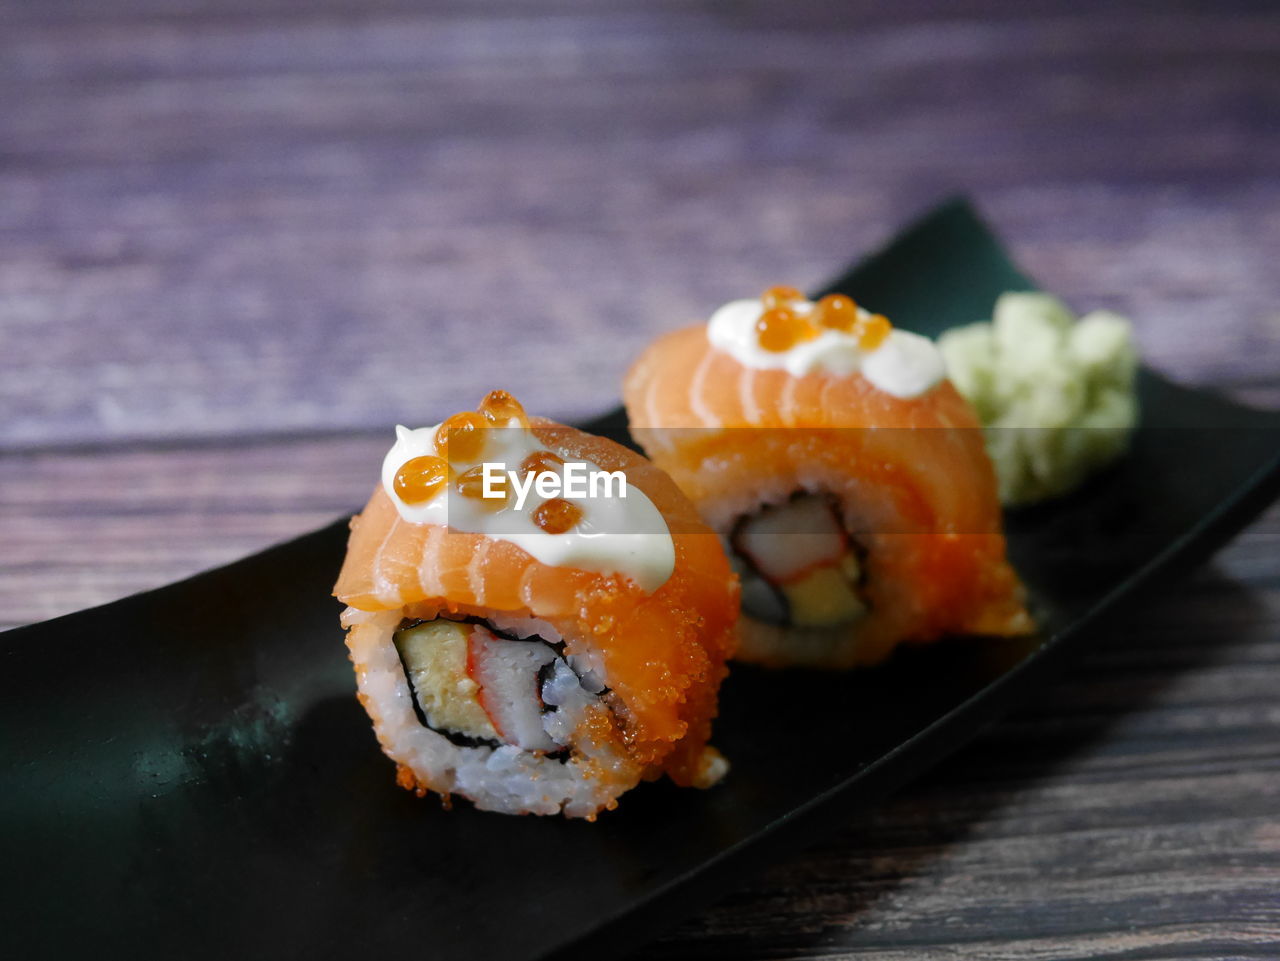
[
  {"x": 798, "y": 564},
  {"x": 479, "y": 687}
]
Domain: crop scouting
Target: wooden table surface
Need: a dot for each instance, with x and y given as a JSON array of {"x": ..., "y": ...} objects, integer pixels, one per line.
[{"x": 241, "y": 238}]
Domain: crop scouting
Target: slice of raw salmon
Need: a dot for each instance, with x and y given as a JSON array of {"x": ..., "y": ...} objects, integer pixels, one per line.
[
  {"x": 912, "y": 478},
  {"x": 663, "y": 652}
]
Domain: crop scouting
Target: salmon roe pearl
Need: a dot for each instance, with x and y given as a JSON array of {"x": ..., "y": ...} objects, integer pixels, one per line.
[
  {"x": 541, "y": 462},
  {"x": 461, "y": 437},
  {"x": 836, "y": 312},
  {"x": 499, "y": 408},
  {"x": 781, "y": 328},
  {"x": 557, "y": 515},
  {"x": 470, "y": 483},
  {"x": 872, "y": 331},
  {"x": 420, "y": 479},
  {"x": 780, "y": 297}
]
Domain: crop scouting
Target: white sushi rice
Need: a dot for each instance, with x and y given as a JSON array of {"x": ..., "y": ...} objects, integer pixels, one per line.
[{"x": 505, "y": 779}]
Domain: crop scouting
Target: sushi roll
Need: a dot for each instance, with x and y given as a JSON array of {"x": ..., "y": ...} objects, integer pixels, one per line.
[
  {"x": 844, "y": 472},
  {"x": 525, "y": 637}
]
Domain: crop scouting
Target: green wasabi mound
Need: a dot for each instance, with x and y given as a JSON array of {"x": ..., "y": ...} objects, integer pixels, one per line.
[{"x": 1055, "y": 395}]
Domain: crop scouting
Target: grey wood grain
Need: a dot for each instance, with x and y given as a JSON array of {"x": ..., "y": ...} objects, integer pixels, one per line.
[
  {"x": 239, "y": 238},
  {"x": 81, "y": 528},
  {"x": 1133, "y": 812},
  {"x": 218, "y": 218}
]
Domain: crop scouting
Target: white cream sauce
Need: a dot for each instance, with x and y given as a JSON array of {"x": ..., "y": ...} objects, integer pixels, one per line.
[
  {"x": 904, "y": 364},
  {"x": 616, "y": 534}
]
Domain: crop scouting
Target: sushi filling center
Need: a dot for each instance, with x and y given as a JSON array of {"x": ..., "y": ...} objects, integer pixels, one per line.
[
  {"x": 483, "y": 688},
  {"x": 798, "y": 564}
]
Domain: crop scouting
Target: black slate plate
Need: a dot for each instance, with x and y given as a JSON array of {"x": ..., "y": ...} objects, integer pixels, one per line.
[{"x": 187, "y": 774}]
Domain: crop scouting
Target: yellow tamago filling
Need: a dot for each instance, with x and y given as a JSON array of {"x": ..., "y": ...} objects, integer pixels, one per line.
[
  {"x": 826, "y": 595},
  {"x": 435, "y": 654}
]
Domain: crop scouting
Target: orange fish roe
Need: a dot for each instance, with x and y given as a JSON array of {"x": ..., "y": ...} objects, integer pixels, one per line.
[
  {"x": 461, "y": 437},
  {"x": 420, "y": 479},
  {"x": 541, "y": 462},
  {"x": 872, "y": 331},
  {"x": 780, "y": 297},
  {"x": 470, "y": 483},
  {"x": 499, "y": 408},
  {"x": 663, "y": 691},
  {"x": 557, "y": 515},
  {"x": 836, "y": 312},
  {"x": 781, "y": 328}
]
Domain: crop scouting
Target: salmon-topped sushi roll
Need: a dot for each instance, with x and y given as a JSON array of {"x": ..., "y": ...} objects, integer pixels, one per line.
[
  {"x": 537, "y": 617},
  {"x": 846, "y": 475}
]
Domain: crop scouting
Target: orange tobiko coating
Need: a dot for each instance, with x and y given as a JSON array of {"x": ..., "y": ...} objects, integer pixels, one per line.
[{"x": 663, "y": 651}]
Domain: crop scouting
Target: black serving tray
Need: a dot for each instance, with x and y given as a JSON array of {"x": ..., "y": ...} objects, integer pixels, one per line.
[{"x": 186, "y": 772}]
